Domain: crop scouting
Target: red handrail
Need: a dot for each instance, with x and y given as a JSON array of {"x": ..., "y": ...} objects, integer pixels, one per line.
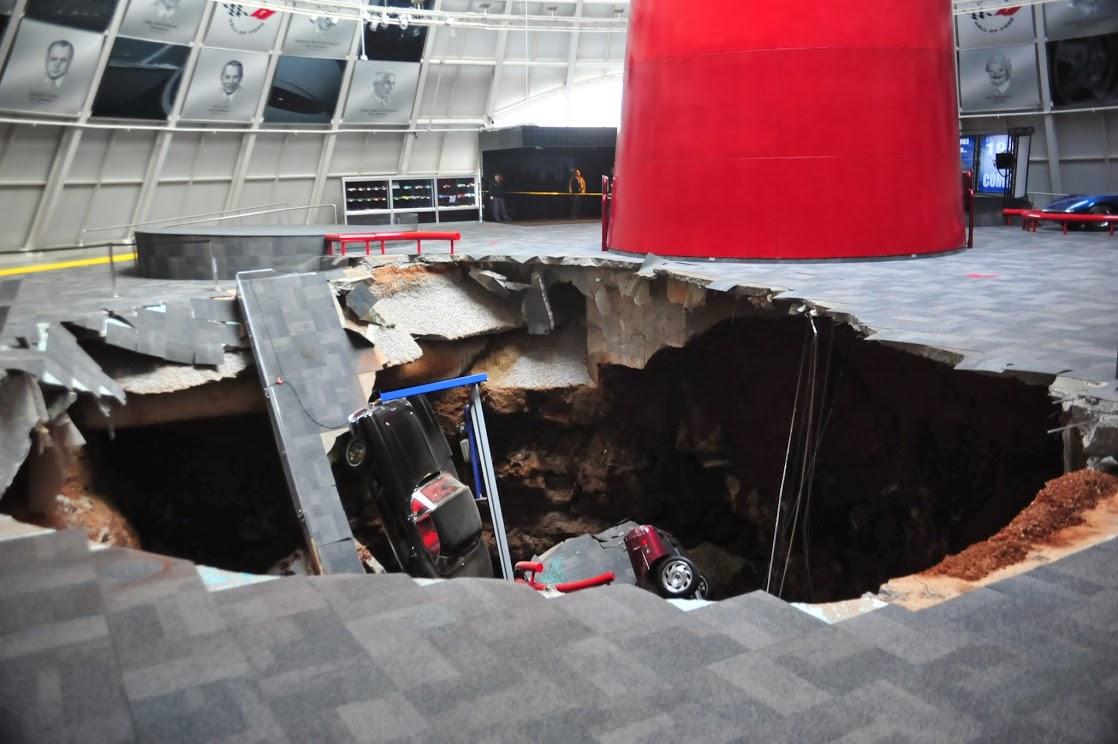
[{"x": 343, "y": 239}]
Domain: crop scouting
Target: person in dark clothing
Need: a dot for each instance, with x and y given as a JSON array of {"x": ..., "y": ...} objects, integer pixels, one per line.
[
  {"x": 497, "y": 199},
  {"x": 576, "y": 187}
]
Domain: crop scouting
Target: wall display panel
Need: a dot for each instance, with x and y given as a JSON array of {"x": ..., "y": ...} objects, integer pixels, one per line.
[
  {"x": 141, "y": 80},
  {"x": 990, "y": 180},
  {"x": 392, "y": 41},
  {"x": 304, "y": 90},
  {"x": 226, "y": 85},
  {"x": 382, "y": 92},
  {"x": 50, "y": 69},
  {"x": 996, "y": 26},
  {"x": 1084, "y": 72},
  {"x": 967, "y": 147},
  {"x": 1068, "y": 19},
  {"x": 163, "y": 20},
  {"x": 319, "y": 36},
  {"x": 243, "y": 27},
  {"x": 91, "y": 15},
  {"x": 999, "y": 78}
]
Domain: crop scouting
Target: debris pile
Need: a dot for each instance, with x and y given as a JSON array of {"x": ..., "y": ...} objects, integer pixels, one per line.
[{"x": 1060, "y": 504}]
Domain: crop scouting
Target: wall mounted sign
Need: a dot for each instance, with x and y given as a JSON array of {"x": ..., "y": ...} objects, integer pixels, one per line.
[
  {"x": 319, "y": 36},
  {"x": 163, "y": 20},
  {"x": 382, "y": 92},
  {"x": 999, "y": 78},
  {"x": 141, "y": 80},
  {"x": 226, "y": 85},
  {"x": 1068, "y": 19},
  {"x": 243, "y": 27},
  {"x": 304, "y": 91},
  {"x": 996, "y": 26},
  {"x": 50, "y": 69}
]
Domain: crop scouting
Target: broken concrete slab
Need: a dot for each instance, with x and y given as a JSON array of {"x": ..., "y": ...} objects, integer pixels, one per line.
[
  {"x": 361, "y": 300},
  {"x": 306, "y": 369},
  {"x": 144, "y": 375},
  {"x": 440, "y": 302},
  {"x": 22, "y": 409},
  {"x": 527, "y": 362},
  {"x": 498, "y": 284},
  {"x": 54, "y": 357}
]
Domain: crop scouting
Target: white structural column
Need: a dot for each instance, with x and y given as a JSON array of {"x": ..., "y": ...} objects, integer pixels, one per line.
[
  {"x": 1052, "y": 145},
  {"x": 572, "y": 48},
  {"x": 248, "y": 140},
  {"x": 163, "y": 141},
  {"x": 425, "y": 70},
  {"x": 326, "y": 154},
  {"x": 68, "y": 147}
]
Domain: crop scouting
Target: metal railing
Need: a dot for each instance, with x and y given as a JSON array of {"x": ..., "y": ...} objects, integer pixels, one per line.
[
  {"x": 333, "y": 209},
  {"x": 130, "y": 225}
]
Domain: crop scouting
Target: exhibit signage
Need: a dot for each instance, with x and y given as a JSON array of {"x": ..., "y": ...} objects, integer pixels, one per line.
[
  {"x": 996, "y": 26},
  {"x": 50, "y": 69},
  {"x": 382, "y": 92},
  {"x": 91, "y": 15},
  {"x": 243, "y": 27},
  {"x": 1068, "y": 19},
  {"x": 999, "y": 78},
  {"x": 163, "y": 20},
  {"x": 319, "y": 36},
  {"x": 226, "y": 85}
]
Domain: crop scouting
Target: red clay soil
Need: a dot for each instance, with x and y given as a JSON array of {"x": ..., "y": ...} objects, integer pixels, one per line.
[{"x": 1060, "y": 504}]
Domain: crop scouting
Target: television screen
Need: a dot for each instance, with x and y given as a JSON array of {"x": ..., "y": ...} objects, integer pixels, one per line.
[
  {"x": 1084, "y": 72},
  {"x": 966, "y": 152},
  {"x": 399, "y": 40},
  {"x": 304, "y": 90},
  {"x": 91, "y": 15},
  {"x": 141, "y": 80},
  {"x": 990, "y": 179}
]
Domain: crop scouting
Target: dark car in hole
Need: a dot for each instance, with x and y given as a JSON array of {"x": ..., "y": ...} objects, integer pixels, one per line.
[{"x": 403, "y": 464}]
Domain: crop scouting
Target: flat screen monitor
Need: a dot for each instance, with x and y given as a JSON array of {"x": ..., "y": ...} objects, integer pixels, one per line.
[
  {"x": 966, "y": 152},
  {"x": 990, "y": 180}
]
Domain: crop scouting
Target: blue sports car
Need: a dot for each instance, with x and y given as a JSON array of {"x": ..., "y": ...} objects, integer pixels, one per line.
[{"x": 1086, "y": 204}]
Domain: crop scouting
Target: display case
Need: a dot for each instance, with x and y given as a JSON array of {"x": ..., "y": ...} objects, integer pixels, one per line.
[
  {"x": 383, "y": 201},
  {"x": 457, "y": 193},
  {"x": 363, "y": 195},
  {"x": 412, "y": 194}
]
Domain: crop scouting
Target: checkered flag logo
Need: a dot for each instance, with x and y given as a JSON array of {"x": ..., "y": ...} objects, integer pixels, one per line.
[{"x": 246, "y": 20}]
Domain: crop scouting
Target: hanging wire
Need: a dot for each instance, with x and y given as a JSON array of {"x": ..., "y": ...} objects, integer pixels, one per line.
[
  {"x": 814, "y": 361},
  {"x": 787, "y": 457}
]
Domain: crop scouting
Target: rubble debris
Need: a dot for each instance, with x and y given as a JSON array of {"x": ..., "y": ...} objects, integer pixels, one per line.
[
  {"x": 537, "y": 308},
  {"x": 496, "y": 283},
  {"x": 360, "y": 300},
  {"x": 526, "y": 362},
  {"x": 139, "y": 374},
  {"x": 22, "y": 409},
  {"x": 54, "y": 357},
  {"x": 440, "y": 302},
  {"x": 1060, "y": 504}
]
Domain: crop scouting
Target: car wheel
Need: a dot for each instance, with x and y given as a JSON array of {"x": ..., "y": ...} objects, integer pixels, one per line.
[
  {"x": 1099, "y": 209},
  {"x": 676, "y": 577},
  {"x": 702, "y": 591},
  {"x": 355, "y": 452}
]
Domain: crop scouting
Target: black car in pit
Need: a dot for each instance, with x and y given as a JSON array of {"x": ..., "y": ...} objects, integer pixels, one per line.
[{"x": 403, "y": 464}]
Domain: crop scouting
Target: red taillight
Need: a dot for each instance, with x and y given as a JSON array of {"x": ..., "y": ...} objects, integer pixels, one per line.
[{"x": 425, "y": 528}]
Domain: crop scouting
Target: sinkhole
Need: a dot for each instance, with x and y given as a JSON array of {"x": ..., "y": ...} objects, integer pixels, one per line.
[{"x": 781, "y": 452}]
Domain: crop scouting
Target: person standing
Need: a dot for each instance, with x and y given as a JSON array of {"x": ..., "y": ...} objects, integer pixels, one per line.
[
  {"x": 576, "y": 187},
  {"x": 497, "y": 199}
]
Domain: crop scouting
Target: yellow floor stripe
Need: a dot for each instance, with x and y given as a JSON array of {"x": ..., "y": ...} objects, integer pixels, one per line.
[{"x": 36, "y": 268}]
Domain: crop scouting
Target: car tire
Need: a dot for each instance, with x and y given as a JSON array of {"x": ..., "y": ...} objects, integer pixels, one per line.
[
  {"x": 1099, "y": 209},
  {"x": 355, "y": 452},
  {"x": 702, "y": 590},
  {"x": 676, "y": 577}
]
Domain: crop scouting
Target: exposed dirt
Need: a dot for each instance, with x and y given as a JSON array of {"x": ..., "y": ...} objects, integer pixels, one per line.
[
  {"x": 1061, "y": 504},
  {"x": 915, "y": 460},
  {"x": 392, "y": 278}
]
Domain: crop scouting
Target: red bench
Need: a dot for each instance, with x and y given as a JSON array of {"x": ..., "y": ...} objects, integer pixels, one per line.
[
  {"x": 1031, "y": 220},
  {"x": 344, "y": 239},
  {"x": 1007, "y": 213}
]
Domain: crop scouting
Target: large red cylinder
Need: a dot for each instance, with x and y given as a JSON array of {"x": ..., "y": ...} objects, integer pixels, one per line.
[{"x": 814, "y": 129}]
